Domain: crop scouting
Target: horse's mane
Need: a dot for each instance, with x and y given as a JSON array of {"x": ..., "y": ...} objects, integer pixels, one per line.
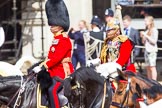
[
  {"x": 155, "y": 87},
  {"x": 88, "y": 73},
  {"x": 146, "y": 80},
  {"x": 141, "y": 77},
  {"x": 153, "y": 91},
  {"x": 130, "y": 73},
  {"x": 82, "y": 75}
]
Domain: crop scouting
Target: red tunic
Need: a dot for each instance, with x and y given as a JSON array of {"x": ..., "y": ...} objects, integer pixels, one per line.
[
  {"x": 124, "y": 55},
  {"x": 59, "y": 51}
]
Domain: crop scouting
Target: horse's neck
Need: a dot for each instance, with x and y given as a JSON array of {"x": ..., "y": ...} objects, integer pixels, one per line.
[
  {"x": 30, "y": 95},
  {"x": 96, "y": 94},
  {"x": 8, "y": 87}
]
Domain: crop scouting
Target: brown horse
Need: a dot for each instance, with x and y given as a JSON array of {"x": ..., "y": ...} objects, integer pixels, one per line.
[{"x": 130, "y": 90}]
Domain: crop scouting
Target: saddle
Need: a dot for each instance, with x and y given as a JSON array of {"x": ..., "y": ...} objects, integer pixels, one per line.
[{"x": 42, "y": 101}]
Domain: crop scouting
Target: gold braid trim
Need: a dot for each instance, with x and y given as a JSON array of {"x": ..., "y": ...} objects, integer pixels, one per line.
[
  {"x": 103, "y": 55},
  {"x": 120, "y": 38}
]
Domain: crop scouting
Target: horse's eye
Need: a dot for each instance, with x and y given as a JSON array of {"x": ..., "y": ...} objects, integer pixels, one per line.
[{"x": 119, "y": 92}]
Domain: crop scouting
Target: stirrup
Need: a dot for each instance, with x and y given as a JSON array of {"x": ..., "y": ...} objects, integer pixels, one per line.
[{"x": 66, "y": 106}]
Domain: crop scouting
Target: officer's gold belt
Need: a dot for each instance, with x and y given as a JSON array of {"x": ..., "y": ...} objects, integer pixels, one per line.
[{"x": 66, "y": 60}]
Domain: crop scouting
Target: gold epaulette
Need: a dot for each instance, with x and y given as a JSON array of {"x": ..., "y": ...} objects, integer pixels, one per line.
[{"x": 121, "y": 38}]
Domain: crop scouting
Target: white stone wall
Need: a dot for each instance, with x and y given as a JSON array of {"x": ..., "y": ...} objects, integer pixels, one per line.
[
  {"x": 78, "y": 9},
  {"x": 140, "y": 24}
]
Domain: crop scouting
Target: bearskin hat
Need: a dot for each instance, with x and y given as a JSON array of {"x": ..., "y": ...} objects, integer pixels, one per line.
[{"x": 57, "y": 14}]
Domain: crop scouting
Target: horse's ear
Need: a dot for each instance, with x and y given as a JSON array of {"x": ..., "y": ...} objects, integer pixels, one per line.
[
  {"x": 121, "y": 74},
  {"x": 67, "y": 85},
  {"x": 138, "y": 89}
]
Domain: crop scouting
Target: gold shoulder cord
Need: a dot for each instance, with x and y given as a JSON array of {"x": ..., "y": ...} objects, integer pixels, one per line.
[
  {"x": 103, "y": 55},
  {"x": 122, "y": 38}
]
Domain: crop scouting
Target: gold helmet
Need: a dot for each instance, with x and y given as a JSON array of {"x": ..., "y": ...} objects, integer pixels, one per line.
[{"x": 113, "y": 24}]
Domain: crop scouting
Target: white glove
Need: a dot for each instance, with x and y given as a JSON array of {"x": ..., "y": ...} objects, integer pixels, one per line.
[
  {"x": 109, "y": 69},
  {"x": 37, "y": 69},
  {"x": 93, "y": 62}
]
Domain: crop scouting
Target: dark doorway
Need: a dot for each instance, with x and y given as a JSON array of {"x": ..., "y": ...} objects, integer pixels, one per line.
[
  {"x": 9, "y": 50},
  {"x": 99, "y": 7}
]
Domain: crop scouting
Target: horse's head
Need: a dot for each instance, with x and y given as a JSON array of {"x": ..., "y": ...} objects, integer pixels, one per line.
[
  {"x": 74, "y": 90},
  {"x": 127, "y": 91},
  {"x": 131, "y": 89},
  {"x": 82, "y": 86}
]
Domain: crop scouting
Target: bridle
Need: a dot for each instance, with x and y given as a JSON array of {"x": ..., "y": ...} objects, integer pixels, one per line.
[
  {"x": 144, "y": 99},
  {"x": 79, "y": 88},
  {"x": 126, "y": 96}
]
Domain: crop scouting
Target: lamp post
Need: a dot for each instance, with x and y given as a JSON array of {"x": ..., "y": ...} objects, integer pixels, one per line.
[
  {"x": 42, "y": 23},
  {"x": 14, "y": 24}
]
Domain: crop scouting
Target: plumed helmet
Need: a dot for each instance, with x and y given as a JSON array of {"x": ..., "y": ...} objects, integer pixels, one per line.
[
  {"x": 113, "y": 24},
  {"x": 57, "y": 14},
  {"x": 96, "y": 21},
  {"x": 109, "y": 12}
]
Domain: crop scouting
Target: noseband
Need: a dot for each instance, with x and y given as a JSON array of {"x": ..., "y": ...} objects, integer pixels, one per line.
[{"x": 126, "y": 96}]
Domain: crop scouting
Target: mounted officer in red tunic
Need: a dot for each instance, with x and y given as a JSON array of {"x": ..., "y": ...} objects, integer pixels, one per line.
[
  {"x": 58, "y": 63},
  {"x": 116, "y": 51}
]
